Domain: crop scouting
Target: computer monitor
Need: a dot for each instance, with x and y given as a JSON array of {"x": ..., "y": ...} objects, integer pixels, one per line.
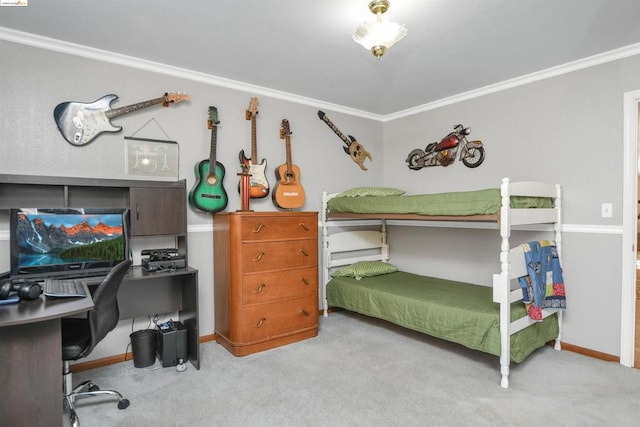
[{"x": 67, "y": 241}]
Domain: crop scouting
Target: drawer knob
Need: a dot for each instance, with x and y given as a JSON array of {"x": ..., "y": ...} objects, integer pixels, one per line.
[
  {"x": 258, "y": 228},
  {"x": 259, "y": 257},
  {"x": 303, "y": 252},
  {"x": 260, "y": 323},
  {"x": 306, "y": 313},
  {"x": 304, "y": 226},
  {"x": 305, "y": 281},
  {"x": 259, "y": 288}
]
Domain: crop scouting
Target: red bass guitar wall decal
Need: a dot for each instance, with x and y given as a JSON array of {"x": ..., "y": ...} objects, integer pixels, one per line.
[{"x": 80, "y": 123}]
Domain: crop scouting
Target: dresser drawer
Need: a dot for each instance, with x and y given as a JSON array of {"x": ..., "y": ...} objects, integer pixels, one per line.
[
  {"x": 266, "y": 321},
  {"x": 289, "y": 227},
  {"x": 265, "y": 279},
  {"x": 266, "y": 287},
  {"x": 265, "y": 256}
]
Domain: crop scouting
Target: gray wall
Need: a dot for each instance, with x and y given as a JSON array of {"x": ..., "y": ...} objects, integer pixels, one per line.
[
  {"x": 566, "y": 129},
  {"x": 33, "y": 81}
]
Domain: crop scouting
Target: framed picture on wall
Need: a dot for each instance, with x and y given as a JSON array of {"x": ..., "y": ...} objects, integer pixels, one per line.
[{"x": 151, "y": 157}]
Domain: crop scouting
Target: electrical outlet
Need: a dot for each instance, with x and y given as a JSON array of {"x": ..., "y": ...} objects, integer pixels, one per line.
[{"x": 606, "y": 210}]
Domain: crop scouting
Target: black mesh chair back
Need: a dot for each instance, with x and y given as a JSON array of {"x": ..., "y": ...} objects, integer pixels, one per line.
[{"x": 104, "y": 317}]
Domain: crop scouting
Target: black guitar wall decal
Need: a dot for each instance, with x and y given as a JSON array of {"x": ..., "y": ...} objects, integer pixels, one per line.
[
  {"x": 208, "y": 193},
  {"x": 80, "y": 123},
  {"x": 353, "y": 148}
]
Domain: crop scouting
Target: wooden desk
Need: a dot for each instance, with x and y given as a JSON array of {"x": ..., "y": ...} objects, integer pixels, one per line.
[{"x": 31, "y": 368}]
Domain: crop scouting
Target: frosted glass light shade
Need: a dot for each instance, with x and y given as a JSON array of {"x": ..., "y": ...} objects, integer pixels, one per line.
[{"x": 379, "y": 34}]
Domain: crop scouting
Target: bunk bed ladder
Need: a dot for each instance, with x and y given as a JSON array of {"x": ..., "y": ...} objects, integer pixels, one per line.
[{"x": 512, "y": 266}]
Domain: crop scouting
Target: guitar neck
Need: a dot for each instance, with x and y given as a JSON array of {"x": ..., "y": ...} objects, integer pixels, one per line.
[
  {"x": 212, "y": 152},
  {"x": 254, "y": 142},
  {"x": 134, "y": 107},
  {"x": 289, "y": 163},
  {"x": 336, "y": 130}
]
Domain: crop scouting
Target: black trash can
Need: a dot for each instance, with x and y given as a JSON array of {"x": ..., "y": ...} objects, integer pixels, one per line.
[{"x": 143, "y": 347}]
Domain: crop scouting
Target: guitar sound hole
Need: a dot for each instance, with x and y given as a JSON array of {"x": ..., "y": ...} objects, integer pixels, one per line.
[{"x": 212, "y": 180}]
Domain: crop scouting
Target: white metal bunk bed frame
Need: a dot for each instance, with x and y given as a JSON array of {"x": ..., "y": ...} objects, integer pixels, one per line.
[{"x": 512, "y": 262}]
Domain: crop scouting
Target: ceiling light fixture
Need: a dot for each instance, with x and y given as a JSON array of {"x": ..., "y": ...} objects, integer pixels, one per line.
[{"x": 378, "y": 36}]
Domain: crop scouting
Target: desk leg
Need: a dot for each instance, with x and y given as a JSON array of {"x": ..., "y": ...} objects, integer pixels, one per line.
[
  {"x": 31, "y": 374},
  {"x": 189, "y": 317}
]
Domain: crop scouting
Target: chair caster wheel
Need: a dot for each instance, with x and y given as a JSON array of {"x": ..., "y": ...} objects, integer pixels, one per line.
[{"x": 123, "y": 404}]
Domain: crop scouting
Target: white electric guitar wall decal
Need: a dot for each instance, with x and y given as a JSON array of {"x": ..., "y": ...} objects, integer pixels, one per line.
[{"x": 80, "y": 123}]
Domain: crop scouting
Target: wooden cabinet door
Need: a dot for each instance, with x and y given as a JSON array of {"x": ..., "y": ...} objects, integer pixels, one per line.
[{"x": 158, "y": 211}]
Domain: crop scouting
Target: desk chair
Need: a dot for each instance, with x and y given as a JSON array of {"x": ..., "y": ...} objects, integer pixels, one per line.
[{"x": 81, "y": 335}]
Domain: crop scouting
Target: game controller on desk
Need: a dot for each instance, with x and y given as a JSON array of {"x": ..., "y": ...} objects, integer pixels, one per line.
[{"x": 162, "y": 260}]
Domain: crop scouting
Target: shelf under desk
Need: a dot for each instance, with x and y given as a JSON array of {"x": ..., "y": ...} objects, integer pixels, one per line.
[{"x": 145, "y": 293}]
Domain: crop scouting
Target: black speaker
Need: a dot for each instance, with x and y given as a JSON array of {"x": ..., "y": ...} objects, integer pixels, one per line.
[
  {"x": 27, "y": 291},
  {"x": 171, "y": 345}
]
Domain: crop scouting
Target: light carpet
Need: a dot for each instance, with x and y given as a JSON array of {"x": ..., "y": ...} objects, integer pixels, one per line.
[{"x": 365, "y": 372}]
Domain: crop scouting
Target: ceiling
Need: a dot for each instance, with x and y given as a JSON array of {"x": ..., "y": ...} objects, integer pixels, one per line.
[{"x": 305, "y": 48}]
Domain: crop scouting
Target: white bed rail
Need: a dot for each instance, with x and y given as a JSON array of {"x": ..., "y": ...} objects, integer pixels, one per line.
[{"x": 364, "y": 245}]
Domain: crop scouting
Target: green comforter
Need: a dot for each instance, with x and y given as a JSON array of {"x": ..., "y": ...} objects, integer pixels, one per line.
[
  {"x": 480, "y": 202},
  {"x": 454, "y": 311}
]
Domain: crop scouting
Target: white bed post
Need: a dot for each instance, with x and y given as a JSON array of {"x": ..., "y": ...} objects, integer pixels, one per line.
[
  {"x": 325, "y": 253},
  {"x": 385, "y": 248},
  {"x": 505, "y": 305},
  {"x": 557, "y": 228}
]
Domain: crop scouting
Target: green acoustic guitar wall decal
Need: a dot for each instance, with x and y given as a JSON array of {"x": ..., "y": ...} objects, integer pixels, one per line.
[{"x": 208, "y": 193}]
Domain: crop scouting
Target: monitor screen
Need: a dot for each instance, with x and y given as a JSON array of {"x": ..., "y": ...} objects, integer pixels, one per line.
[{"x": 67, "y": 241}]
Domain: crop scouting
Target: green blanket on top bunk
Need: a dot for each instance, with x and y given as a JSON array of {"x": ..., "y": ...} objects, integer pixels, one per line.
[
  {"x": 459, "y": 312},
  {"x": 460, "y": 203}
]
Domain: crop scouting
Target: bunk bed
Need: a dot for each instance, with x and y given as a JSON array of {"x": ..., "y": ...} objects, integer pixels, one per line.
[{"x": 490, "y": 319}]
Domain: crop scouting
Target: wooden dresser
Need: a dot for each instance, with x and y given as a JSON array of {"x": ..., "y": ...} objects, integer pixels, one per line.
[{"x": 265, "y": 279}]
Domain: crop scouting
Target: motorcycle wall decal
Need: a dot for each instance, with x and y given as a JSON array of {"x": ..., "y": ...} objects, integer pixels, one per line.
[{"x": 444, "y": 153}]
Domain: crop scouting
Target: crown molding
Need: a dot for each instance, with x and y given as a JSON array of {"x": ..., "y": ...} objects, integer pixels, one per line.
[
  {"x": 580, "y": 64},
  {"x": 156, "y": 67},
  {"x": 75, "y": 49}
]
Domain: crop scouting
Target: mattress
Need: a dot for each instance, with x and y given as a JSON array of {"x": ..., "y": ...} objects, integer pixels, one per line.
[
  {"x": 454, "y": 311},
  {"x": 460, "y": 203}
]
